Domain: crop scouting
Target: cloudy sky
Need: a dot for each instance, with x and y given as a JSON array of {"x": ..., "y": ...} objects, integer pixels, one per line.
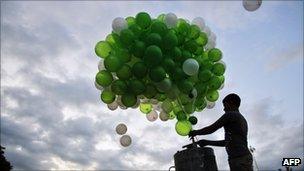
[{"x": 51, "y": 114}]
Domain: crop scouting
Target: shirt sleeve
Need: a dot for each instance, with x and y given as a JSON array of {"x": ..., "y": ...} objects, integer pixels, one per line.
[{"x": 215, "y": 126}]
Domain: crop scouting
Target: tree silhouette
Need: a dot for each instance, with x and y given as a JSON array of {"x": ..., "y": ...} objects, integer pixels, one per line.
[{"x": 4, "y": 164}]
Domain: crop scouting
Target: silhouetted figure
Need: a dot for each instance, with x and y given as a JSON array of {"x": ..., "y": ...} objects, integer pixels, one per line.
[
  {"x": 235, "y": 125},
  {"x": 4, "y": 164}
]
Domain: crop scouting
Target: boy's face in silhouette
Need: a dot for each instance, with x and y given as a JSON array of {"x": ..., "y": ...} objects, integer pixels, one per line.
[{"x": 228, "y": 106}]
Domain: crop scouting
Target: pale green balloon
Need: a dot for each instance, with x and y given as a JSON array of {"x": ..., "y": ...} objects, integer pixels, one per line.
[
  {"x": 190, "y": 67},
  {"x": 183, "y": 127}
]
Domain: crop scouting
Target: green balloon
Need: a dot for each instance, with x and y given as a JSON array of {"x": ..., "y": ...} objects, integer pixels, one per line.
[
  {"x": 107, "y": 96},
  {"x": 139, "y": 70},
  {"x": 128, "y": 100},
  {"x": 204, "y": 75},
  {"x": 189, "y": 108},
  {"x": 168, "y": 64},
  {"x": 150, "y": 91},
  {"x": 192, "y": 120},
  {"x": 184, "y": 98},
  {"x": 103, "y": 49},
  {"x": 114, "y": 40},
  {"x": 215, "y": 83},
  {"x": 167, "y": 106},
  {"x": 183, "y": 127},
  {"x": 183, "y": 27},
  {"x": 161, "y": 17},
  {"x": 176, "y": 54},
  {"x": 201, "y": 88},
  {"x": 207, "y": 64},
  {"x": 104, "y": 78},
  {"x": 136, "y": 30},
  {"x": 194, "y": 32},
  {"x": 153, "y": 39},
  {"x": 164, "y": 86},
  {"x": 157, "y": 74},
  {"x": 181, "y": 116},
  {"x": 218, "y": 69},
  {"x": 123, "y": 55},
  {"x": 212, "y": 96},
  {"x": 136, "y": 86},
  {"x": 159, "y": 27},
  {"x": 127, "y": 37},
  {"x": 178, "y": 74},
  {"x": 170, "y": 40},
  {"x": 171, "y": 115},
  {"x": 145, "y": 108},
  {"x": 143, "y": 20},
  {"x": 200, "y": 103},
  {"x": 124, "y": 73},
  {"x": 214, "y": 55},
  {"x": 153, "y": 56},
  {"x": 186, "y": 55},
  {"x": 119, "y": 87},
  {"x": 191, "y": 46},
  {"x": 222, "y": 78},
  {"x": 161, "y": 97},
  {"x": 202, "y": 40},
  {"x": 199, "y": 50},
  {"x": 185, "y": 86},
  {"x": 138, "y": 49},
  {"x": 112, "y": 63},
  {"x": 130, "y": 20}
]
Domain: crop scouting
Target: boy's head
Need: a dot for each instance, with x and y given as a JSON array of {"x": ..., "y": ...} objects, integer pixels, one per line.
[{"x": 231, "y": 102}]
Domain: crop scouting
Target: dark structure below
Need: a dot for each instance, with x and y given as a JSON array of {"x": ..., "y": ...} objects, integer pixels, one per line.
[{"x": 195, "y": 159}]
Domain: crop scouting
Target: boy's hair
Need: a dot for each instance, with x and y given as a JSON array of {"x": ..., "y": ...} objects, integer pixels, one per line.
[{"x": 233, "y": 99}]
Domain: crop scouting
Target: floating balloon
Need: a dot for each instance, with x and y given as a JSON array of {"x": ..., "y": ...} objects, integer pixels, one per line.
[
  {"x": 98, "y": 86},
  {"x": 152, "y": 116},
  {"x": 210, "y": 105},
  {"x": 164, "y": 64},
  {"x": 190, "y": 67},
  {"x": 183, "y": 127},
  {"x": 252, "y": 5},
  {"x": 119, "y": 24},
  {"x": 170, "y": 20},
  {"x": 113, "y": 105},
  {"x": 163, "y": 116},
  {"x": 121, "y": 129},
  {"x": 199, "y": 21},
  {"x": 125, "y": 140}
]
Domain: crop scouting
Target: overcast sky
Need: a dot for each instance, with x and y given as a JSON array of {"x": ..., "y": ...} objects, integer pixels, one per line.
[{"x": 51, "y": 114}]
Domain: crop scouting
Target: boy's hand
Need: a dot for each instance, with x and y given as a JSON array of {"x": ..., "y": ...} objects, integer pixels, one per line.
[
  {"x": 192, "y": 134},
  {"x": 202, "y": 143}
]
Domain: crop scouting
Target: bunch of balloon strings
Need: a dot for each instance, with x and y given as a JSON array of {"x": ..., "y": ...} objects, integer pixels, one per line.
[{"x": 165, "y": 66}]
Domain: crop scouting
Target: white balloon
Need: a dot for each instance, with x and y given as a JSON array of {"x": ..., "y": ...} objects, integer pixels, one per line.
[
  {"x": 101, "y": 65},
  {"x": 212, "y": 37},
  {"x": 210, "y": 45},
  {"x": 120, "y": 104},
  {"x": 199, "y": 21},
  {"x": 190, "y": 67},
  {"x": 153, "y": 101},
  {"x": 152, "y": 116},
  {"x": 119, "y": 24},
  {"x": 99, "y": 87},
  {"x": 210, "y": 105},
  {"x": 194, "y": 93},
  {"x": 207, "y": 30},
  {"x": 125, "y": 140},
  {"x": 252, "y": 5},
  {"x": 113, "y": 105},
  {"x": 157, "y": 107},
  {"x": 121, "y": 129},
  {"x": 164, "y": 85},
  {"x": 163, "y": 116},
  {"x": 170, "y": 20}
]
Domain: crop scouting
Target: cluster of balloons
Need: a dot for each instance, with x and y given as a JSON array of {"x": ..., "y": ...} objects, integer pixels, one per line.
[
  {"x": 165, "y": 66},
  {"x": 125, "y": 140}
]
